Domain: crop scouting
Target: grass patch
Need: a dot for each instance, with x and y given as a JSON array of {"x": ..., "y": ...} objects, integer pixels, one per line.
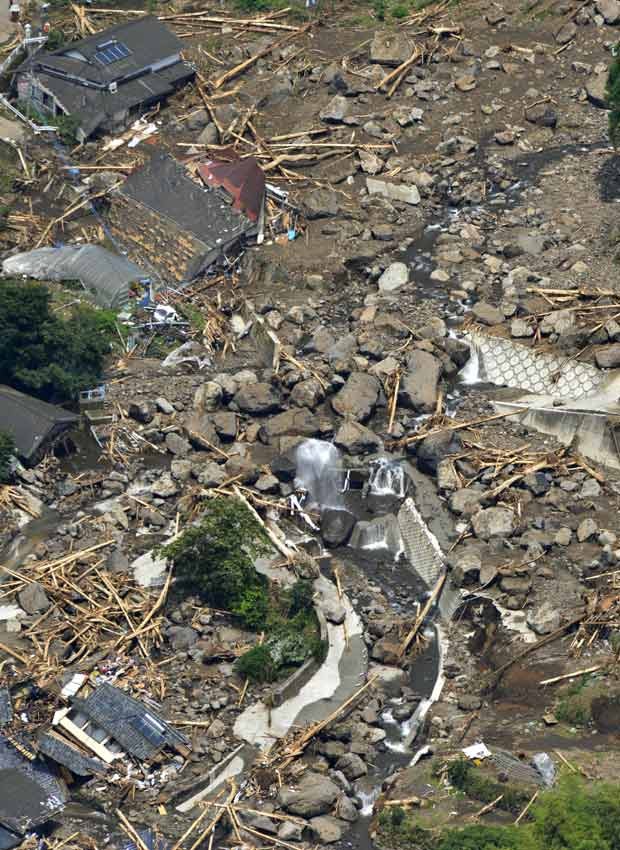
[
  {"x": 472, "y": 782},
  {"x": 575, "y": 705}
]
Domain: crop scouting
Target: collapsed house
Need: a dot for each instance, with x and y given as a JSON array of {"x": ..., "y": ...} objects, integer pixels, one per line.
[
  {"x": 169, "y": 222},
  {"x": 111, "y": 724},
  {"x": 108, "y": 80},
  {"x": 34, "y": 425},
  {"x": 30, "y": 792}
]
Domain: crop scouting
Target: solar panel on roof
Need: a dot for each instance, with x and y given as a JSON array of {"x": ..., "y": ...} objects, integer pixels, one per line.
[{"x": 112, "y": 52}]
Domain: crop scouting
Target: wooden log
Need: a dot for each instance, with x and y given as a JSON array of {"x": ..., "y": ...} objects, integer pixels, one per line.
[
  {"x": 243, "y": 66},
  {"x": 532, "y": 800},
  {"x": 472, "y": 423},
  {"x": 565, "y": 676},
  {"x": 422, "y": 615},
  {"x": 404, "y": 66}
]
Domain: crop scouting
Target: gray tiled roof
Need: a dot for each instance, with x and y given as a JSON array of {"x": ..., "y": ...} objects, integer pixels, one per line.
[
  {"x": 30, "y": 421},
  {"x": 138, "y": 730},
  {"x": 65, "y": 754},
  {"x": 164, "y": 186},
  {"x": 6, "y": 709}
]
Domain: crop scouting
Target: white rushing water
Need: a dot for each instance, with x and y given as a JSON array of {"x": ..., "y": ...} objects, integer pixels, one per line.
[
  {"x": 319, "y": 472},
  {"x": 387, "y": 478},
  {"x": 470, "y": 373}
]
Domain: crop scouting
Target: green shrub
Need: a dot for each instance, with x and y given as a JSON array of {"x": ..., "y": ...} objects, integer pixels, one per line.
[
  {"x": 216, "y": 557},
  {"x": 378, "y": 8},
  {"x": 257, "y": 665},
  {"x": 55, "y": 40},
  {"x": 253, "y": 607},
  {"x": 7, "y": 450},
  {"x": 45, "y": 355},
  {"x": 479, "y": 837},
  {"x": 575, "y": 705},
  {"x": 399, "y": 11},
  {"x": 469, "y": 779},
  {"x": 67, "y": 127},
  {"x": 300, "y": 598}
]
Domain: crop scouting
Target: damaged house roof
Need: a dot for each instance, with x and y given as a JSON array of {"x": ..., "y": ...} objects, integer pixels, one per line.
[
  {"x": 32, "y": 423},
  {"x": 30, "y": 794},
  {"x": 138, "y": 730},
  {"x": 131, "y": 65},
  {"x": 169, "y": 221},
  {"x": 63, "y": 753}
]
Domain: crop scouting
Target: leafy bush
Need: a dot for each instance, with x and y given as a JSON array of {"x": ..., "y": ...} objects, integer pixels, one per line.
[
  {"x": 55, "y": 40},
  {"x": 479, "y": 837},
  {"x": 300, "y": 598},
  {"x": 575, "y": 705},
  {"x": 464, "y": 776},
  {"x": 67, "y": 127},
  {"x": 7, "y": 449},
  {"x": 400, "y": 11},
  {"x": 216, "y": 558},
  {"x": 47, "y": 356},
  {"x": 257, "y": 665}
]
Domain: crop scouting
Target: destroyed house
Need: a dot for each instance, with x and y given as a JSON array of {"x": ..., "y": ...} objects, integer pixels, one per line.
[
  {"x": 30, "y": 794},
  {"x": 170, "y": 223},
  {"x": 109, "y": 719},
  {"x": 108, "y": 80},
  {"x": 34, "y": 425}
]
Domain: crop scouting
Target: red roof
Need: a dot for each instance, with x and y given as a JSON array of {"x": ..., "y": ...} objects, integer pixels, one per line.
[{"x": 243, "y": 180}]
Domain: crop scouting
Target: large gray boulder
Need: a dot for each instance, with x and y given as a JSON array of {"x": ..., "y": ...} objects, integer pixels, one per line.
[
  {"x": 327, "y": 829},
  {"x": 358, "y": 398},
  {"x": 336, "y": 526},
  {"x": 356, "y": 439},
  {"x": 258, "y": 399},
  {"x": 494, "y": 523},
  {"x": 393, "y": 191},
  {"x": 352, "y": 765},
  {"x": 395, "y": 276},
  {"x": 336, "y": 110},
  {"x": 297, "y": 422},
  {"x": 389, "y": 48},
  {"x": 596, "y": 90},
  {"x": 33, "y": 598},
  {"x": 609, "y": 10},
  {"x": 418, "y": 387},
  {"x": 315, "y": 795}
]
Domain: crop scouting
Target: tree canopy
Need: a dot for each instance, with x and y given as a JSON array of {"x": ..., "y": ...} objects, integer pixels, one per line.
[{"x": 47, "y": 356}]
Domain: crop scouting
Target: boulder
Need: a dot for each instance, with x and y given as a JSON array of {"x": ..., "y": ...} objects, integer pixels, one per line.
[
  {"x": 393, "y": 191},
  {"x": 290, "y": 831},
  {"x": 321, "y": 203},
  {"x": 212, "y": 475},
  {"x": 389, "y": 48},
  {"x": 307, "y": 393},
  {"x": 352, "y": 765},
  {"x": 164, "y": 406},
  {"x": 165, "y": 487},
  {"x": 33, "y": 598},
  {"x": 207, "y": 397},
  {"x": 326, "y": 829},
  {"x": 566, "y": 33},
  {"x": 586, "y": 529},
  {"x": 209, "y": 136},
  {"x": 418, "y": 386},
  {"x": 358, "y": 398},
  {"x": 177, "y": 445},
  {"x": 435, "y": 448},
  {"x": 609, "y": 10},
  {"x": 494, "y": 523},
  {"x": 315, "y": 795},
  {"x": 596, "y": 91},
  {"x": 465, "y": 501},
  {"x": 370, "y": 163},
  {"x": 336, "y": 526},
  {"x": 608, "y": 357},
  {"x": 542, "y": 114},
  {"x": 487, "y": 313},
  {"x": 336, "y": 110},
  {"x": 225, "y": 424},
  {"x": 141, "y": 411},
  {"x": 258, "y": 399},
  {"x": 544, "y": 619},
  {"x": 395, "y": 276},
  {"x": 346, "y": 809},
  {"x": 356, "y": 439},
  {"x": 181, "y": 637},
  {"x": 297, "y": 422}
]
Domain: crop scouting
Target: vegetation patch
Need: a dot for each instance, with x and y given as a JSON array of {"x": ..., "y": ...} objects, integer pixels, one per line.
[
  {"x": 472, "y": 782},
  {"x": 575, "y": 705},
  {"x": 573, "y": 816},
  {"x": 215, "y": 559},
  {"x": 47, "y": 356}
]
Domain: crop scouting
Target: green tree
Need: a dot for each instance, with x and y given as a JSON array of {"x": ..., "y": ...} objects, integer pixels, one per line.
[
  {"x": 7, "y": 449},
  {"x": 47, "y": 356},
  {"x": 613, "y": 98},
  {"x": 216, "y": 559}
]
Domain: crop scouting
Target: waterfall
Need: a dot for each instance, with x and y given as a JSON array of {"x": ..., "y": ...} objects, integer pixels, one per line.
[
  {"x": 380, "y": 533},
  {"x": 387, "y": 478},
  {"x": 470, "y": 373},
  {"x": 319, "y": 472}
]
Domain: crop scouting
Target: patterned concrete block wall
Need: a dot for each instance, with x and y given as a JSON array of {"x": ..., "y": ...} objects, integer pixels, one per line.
[
  {"x": 506, "y": 363},
  {"x": 425, "y": 556}
]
